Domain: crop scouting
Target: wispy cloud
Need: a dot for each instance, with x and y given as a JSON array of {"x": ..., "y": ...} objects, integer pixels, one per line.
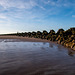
[
  {"x": 73, "y": 16},
  {"x": 2, "y": 17},
  {"x": 19, "y": 8},
  {"x": 17, "y": 4},
  {"x": 59, "y": 3},
  {"x": 27, "y": 8},
  {"x": 25, "y": 13}
]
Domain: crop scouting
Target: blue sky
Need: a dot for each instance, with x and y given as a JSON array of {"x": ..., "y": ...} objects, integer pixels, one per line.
[{"x": 34, "y": 15}]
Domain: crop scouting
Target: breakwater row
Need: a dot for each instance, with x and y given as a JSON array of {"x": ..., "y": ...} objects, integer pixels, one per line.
[{"x": 65, "y": 38}]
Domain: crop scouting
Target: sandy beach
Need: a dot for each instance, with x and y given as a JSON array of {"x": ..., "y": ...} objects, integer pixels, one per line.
[
  {"x": 24, "y": 38},
  {"x": 33, "y": 56}
]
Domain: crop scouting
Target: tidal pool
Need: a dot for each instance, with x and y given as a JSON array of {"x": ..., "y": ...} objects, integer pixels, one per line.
[{"x": 35, "y": 58}]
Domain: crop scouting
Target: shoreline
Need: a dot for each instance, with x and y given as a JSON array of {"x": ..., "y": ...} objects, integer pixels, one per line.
[
  {"x": 29, "y": 39},
  {"x": 24, "y": 38}
]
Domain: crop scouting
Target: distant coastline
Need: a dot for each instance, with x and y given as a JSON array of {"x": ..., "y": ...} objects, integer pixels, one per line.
[{"x": 65, "y": 38}]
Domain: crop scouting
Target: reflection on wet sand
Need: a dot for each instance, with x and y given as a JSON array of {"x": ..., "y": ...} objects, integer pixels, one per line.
[
  {"x": 35, "y": 58},
  {"x": 50, "y": 45}
]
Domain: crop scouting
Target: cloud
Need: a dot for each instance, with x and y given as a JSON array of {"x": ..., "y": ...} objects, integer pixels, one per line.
[
  {"x": 1, "y": 21},
  {"x": 17, "y": 4},
  {"x": 73, "y": 16},
  {"x": 59, "y": 3},
  {"x": 2, "y": 16},
  {"x": 28, "y": 4},
  {"x": 30, "y": 10},
  {"x": 20, "y": 4}
]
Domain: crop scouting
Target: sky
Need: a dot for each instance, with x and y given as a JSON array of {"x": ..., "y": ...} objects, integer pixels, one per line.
[{"x": 36, "y": 15}]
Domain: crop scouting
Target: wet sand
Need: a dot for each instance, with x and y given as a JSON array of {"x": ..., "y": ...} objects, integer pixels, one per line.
[
  {"x": 18, "y": 56},
  {"x": 24, "y": 38}
]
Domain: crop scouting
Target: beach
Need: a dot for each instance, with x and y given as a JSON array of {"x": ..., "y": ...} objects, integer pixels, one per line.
[
  {"x": 32, "y": 56},
  {"x": 24, "y": 38}
]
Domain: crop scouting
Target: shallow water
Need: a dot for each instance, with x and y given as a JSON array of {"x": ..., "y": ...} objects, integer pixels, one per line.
[{"x": 35, "y": 58}]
